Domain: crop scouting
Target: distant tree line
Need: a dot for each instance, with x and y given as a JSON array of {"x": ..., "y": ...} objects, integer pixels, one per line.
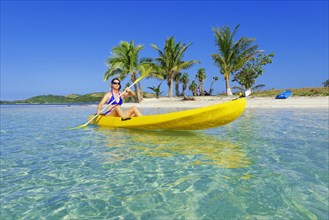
[{"x": 239, "y": 59}]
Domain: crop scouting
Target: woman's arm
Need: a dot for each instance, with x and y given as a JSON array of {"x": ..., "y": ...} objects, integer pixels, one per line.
[
  {"x": 105, "y": 98},
  {"x": 128, "y": 93}
]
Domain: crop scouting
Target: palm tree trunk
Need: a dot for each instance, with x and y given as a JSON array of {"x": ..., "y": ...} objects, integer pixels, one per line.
[
  {"x": 140, "y": 92},
  {"x": 137, "y": 96},
  {"x": 184, "y": 88},
  {"x": 177, "y": 88},
  {"x": 211, "y": 87},
  {"x": 170, "y": 82},
  {"x": 201, "y": 89},
  {"x": 133, "y": 79},
  {"x": 228, "y": 88}
]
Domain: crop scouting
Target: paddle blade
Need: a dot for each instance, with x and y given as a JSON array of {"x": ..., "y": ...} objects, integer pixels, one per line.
[
  {"x": 80, "y": 126},
  {"x": 143, "y": 75}
]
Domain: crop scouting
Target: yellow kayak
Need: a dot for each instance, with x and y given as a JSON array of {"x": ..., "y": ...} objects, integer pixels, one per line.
[{"x": 193, "y": 119}]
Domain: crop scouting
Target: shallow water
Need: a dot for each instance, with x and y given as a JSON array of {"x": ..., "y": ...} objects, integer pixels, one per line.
[{"x": 268, "y": 164}]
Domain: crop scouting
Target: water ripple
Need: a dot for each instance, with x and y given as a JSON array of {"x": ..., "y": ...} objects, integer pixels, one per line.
[{"x": 268, "y": 164}]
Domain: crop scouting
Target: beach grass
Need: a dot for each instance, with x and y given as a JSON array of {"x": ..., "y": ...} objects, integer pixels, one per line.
[{"x": 318, "y": 91}]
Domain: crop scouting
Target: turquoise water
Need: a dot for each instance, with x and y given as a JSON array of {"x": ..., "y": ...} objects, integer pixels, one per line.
[{"x": 268, "y": 164}]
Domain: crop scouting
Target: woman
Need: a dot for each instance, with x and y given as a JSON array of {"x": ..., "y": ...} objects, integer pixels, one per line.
[{"x": 112, "y": 96}]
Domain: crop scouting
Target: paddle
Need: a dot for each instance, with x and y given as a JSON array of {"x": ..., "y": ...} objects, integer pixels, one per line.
[{"x": 136, "y": 81}]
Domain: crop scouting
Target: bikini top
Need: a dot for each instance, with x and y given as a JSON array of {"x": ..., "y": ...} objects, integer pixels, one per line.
[{"x": 115, "y": 101}]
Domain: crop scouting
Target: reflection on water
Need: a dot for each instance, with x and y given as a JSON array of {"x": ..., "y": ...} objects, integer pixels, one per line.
[
  {"x": 48, "y": 172},
  {"x": 200, "y": 148}
]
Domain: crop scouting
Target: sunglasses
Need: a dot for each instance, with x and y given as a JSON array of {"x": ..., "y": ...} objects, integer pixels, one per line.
[{"x": 116, "y": 83}]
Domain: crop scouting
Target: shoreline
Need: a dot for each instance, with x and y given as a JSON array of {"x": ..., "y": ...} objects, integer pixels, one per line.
[
  {"x": 318, "y": 102},
  {"x": 295, "y": 102}
]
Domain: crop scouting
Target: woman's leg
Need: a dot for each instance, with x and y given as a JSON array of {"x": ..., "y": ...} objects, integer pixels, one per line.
[
  {"x": 132, "y": 112},
  {"x": 116, "y": 112}
]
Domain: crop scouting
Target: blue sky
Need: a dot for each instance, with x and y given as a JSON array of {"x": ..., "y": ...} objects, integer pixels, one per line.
[{"x": 61, "y": 47}]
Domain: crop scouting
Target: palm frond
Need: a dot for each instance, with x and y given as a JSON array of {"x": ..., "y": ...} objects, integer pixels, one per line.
[
  {"x": 238, "y": 88},
  {"x": 112, "y": 72},
  {"x": 258, "y": 87}
]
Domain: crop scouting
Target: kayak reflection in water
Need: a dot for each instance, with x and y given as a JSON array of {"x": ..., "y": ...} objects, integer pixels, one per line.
[
  {"x": 196, "y": 147},
  {"x": 114, "y": 98}
]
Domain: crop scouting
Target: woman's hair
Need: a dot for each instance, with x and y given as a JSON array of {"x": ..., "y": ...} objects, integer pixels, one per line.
[{"x": 117, "y": 80}]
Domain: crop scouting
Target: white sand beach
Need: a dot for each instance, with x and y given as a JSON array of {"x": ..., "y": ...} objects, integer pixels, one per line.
[{"x": 252, "y": 102}]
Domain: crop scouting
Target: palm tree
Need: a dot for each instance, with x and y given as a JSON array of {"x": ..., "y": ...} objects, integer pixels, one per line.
[
  {"x": 201, "y": 76},
  {"x": 231, "y": 56},
  {"x": 326, "y": 83},
  {"x": 177, "y": 81},
  {"x": 185, "y": 80},
  {"x": 156, "y": 90},
  {"x": 169, "y": 63},
  {"x": 193, "y": 87},
  {"x": 215, "y": 78},
  {"x": 124, "y": 62},
  {"x": 252, "y": 69}
]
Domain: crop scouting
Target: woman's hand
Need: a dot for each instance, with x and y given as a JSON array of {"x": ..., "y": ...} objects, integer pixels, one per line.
[{"x": 127, "y": 90}]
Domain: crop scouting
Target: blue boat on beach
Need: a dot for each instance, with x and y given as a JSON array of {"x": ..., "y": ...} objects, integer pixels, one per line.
[{"x": 284, "y": 95}]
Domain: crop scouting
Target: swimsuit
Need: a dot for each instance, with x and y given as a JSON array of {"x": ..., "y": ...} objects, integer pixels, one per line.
[{"x": 114, "y": 102}]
